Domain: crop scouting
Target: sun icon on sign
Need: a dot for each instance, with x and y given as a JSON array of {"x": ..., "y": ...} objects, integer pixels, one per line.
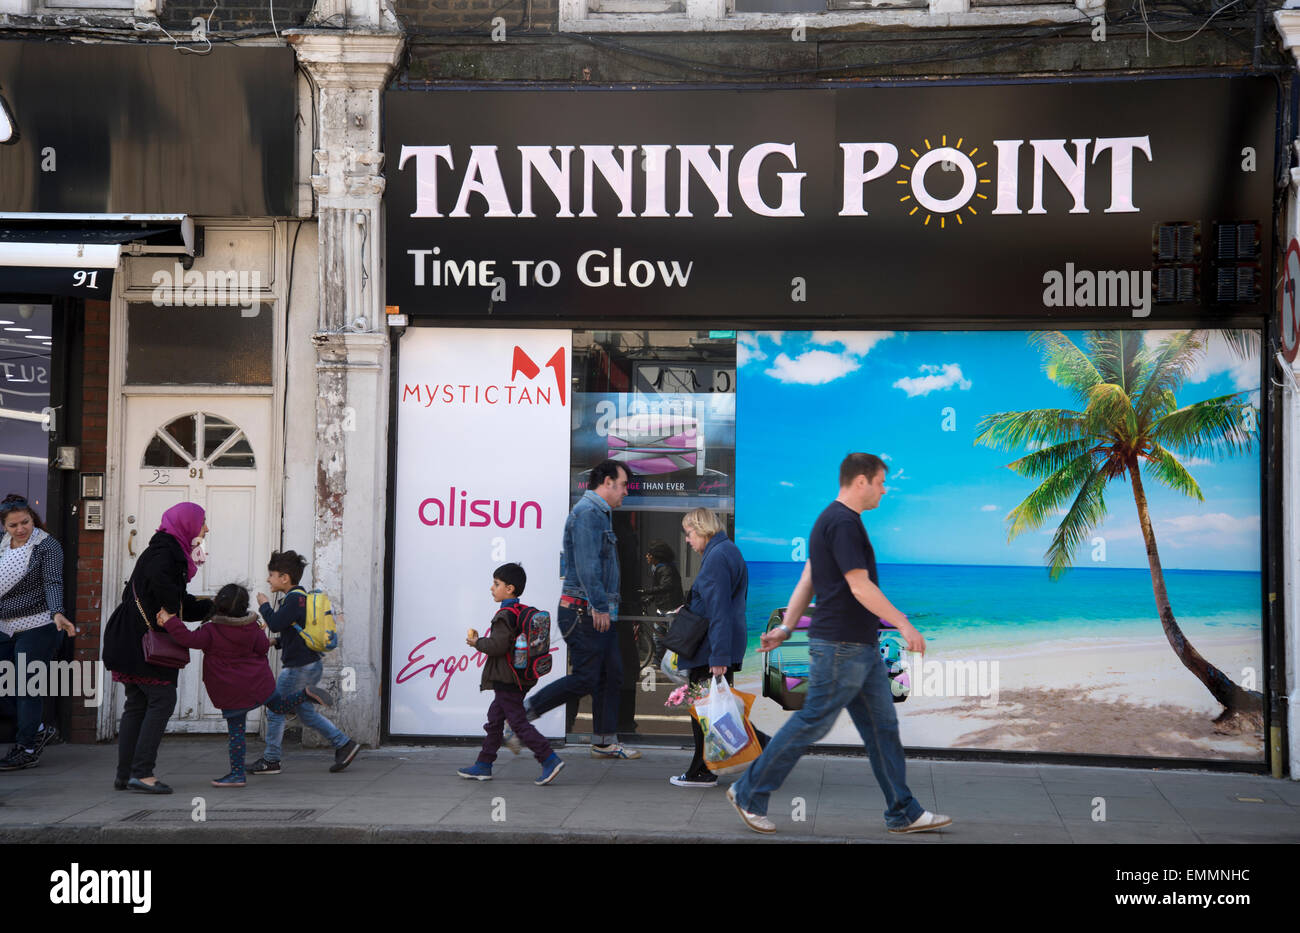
[{"x": 950, "y": 159}]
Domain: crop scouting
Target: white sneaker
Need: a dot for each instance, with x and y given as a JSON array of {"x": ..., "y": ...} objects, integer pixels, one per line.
[
  {"x": 926, "y": 821},
  {"x": 759, "y": 824},
  {"x": 614, "y": 751},
  {"x": 512, "y": 741}
]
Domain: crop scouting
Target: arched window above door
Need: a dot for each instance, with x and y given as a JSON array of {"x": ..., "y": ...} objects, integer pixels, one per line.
[{"x": 203, "y": 436}]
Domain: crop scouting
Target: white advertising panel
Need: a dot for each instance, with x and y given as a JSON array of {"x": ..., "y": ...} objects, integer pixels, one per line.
[{"x": 482, "y": 471}]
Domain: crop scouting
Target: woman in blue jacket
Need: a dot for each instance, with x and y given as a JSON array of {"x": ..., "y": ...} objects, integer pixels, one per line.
[{"x": 718, "y": 595}]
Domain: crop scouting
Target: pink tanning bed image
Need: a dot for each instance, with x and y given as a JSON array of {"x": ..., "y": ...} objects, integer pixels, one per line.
[{"x": 657, "y": 443}]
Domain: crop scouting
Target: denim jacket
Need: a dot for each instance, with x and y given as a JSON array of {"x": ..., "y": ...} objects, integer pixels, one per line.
[{"x": 591, "y": 554}]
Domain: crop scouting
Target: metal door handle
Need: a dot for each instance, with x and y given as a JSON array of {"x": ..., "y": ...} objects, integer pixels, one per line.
[{"x": 129, "y": 537}]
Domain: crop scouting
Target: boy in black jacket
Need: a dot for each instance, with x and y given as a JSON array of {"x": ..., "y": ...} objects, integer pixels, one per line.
[
  {"x": 300, "y": 668},
  {"x": 507, "y": 682}
]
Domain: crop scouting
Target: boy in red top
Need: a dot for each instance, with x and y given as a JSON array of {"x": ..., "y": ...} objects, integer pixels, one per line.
[{"x": 508, "y": 683}]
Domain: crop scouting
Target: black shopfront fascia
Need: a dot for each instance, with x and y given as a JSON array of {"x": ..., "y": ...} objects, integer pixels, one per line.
[{"x": 1214, "y": 142}]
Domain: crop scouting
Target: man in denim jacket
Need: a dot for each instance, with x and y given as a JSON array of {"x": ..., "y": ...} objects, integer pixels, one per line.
[{"x": 588, "y": 608}]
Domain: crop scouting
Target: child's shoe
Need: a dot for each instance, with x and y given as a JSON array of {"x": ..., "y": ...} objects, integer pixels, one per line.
[
  {"x": 230, "y": 780},
  {"x": 478, "y": 771},
  {"x": 512, "y": 741},
  {"x": 262, "y": 766},
  {"x": 550, "y": 768},
  {"x": 320, "y": 696}
]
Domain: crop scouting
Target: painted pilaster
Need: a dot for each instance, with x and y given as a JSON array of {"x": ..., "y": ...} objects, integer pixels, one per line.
[{"x": 350, "y": 71}]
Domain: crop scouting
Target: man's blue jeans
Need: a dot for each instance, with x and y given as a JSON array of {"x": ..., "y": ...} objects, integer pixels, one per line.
[
  {"x": 597, "y": 670},
  {"x": 848, "y": 676},
  {"x": 291, "y": 680}
]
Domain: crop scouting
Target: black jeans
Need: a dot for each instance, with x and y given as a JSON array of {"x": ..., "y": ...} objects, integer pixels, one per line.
[
  {"x": 698, "y": 769},
  {"x": 144, "y": 718}
]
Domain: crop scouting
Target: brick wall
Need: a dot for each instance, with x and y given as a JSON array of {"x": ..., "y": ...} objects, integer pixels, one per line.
[
  {"x": 90, "y": 550},
  {"x": 241, "y": 15}
]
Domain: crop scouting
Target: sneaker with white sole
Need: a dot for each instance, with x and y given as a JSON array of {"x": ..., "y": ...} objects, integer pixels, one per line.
[
  {"x": 755, "y": 821},
  {"x": 512, "y": 741},
  {"x": 925, "y": 822},
  {"x": 614, "y": 751},
  {"x": 685, "y": 780}
]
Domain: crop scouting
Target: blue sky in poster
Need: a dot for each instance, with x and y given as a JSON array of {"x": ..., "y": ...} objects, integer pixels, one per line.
[{"x": 805, "y": 399}]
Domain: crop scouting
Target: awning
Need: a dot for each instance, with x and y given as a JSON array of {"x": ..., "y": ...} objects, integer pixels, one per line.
[{"x": 77, "y": 254}]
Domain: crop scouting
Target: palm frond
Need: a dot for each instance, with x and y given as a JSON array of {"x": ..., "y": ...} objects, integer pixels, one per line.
[
  {"x": 1043, "y": 502},
  {"x": 1111, "y": 412},
  {"x": 1174, "y": 360},
  {"x": 1086, "y": 512},
  {"x": 1009, "y": 430},
  {"x": 1050, "y": 459},
  {"x": 1167, "y": 468},
  {"x": 1244, "y": 344},
  {"x": 1065, "y": 364},
  {"x": 1214, "y": 427}
]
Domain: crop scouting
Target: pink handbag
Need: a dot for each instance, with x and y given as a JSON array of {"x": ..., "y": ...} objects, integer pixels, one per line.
[{"x": 160, "y": 649}]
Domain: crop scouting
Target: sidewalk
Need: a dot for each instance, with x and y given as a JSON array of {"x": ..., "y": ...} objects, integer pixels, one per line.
[{"x": 412, "y": 794}]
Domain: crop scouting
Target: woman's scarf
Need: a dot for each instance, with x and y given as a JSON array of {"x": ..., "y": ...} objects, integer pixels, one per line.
[{"x": 184, "y": 522}]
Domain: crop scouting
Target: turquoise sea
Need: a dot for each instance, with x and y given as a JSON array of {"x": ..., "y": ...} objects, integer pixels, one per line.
[{"x": 999, "y": 608}]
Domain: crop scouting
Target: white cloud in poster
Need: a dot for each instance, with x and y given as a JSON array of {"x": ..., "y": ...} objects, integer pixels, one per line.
[
  {"x": 787, "y": 483},
  {"x": 747, "y": 349},
  {"x": 988, "y": 508},
  {"x": 812, "y": 367},
  {"x": 1215, "y": 524},
  {"x": 936, "y": 378},
  {"x": 859, "y": 343}
]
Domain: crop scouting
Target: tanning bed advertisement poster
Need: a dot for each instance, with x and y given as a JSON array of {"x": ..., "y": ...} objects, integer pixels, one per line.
[
  {"x": 680, "y": 447},
  {"x": 1014, "y": 535}
]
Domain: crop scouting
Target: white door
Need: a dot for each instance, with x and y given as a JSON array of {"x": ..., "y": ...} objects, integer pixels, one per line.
[{"x": 213, "y": 451}]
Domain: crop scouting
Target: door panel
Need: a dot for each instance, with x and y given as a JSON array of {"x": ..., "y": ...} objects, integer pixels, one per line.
[{"x": 213, "y": 451}]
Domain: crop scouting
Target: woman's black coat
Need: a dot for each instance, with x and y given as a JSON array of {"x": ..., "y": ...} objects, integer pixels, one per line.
[{"x": 159, "y": 579}]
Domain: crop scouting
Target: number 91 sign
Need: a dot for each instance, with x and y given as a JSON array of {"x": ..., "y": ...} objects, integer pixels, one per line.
[{"x": 1288, "y": 322}]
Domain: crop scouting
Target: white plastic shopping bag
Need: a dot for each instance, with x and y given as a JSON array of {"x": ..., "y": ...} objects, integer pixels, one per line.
[
  {"x": 670, "y": 669},
  {"x": 722, "y": 717}
]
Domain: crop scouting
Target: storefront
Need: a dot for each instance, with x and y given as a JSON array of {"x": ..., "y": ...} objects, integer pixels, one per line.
[
  {"x": 991, "y": 287},
  {"x": 142, "y": 293}
]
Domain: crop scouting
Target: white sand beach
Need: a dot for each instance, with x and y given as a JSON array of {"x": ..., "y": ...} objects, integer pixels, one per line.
[{"x": 1123, "y": 697}]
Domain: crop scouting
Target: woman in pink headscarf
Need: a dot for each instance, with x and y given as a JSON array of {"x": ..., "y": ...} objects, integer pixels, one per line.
[{"x": 157, "y": 582}]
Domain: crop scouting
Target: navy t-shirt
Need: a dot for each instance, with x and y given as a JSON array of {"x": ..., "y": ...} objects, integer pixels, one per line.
[{"x": 837, "y": 545}]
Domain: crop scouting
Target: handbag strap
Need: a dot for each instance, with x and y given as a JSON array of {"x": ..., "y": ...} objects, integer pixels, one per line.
[{"x": 136, "y": 596}]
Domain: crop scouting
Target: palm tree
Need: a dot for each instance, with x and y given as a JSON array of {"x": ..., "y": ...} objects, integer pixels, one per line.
[{"x": 1130, "y": 420}]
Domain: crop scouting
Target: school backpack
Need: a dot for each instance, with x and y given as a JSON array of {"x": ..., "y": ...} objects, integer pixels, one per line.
[
  {"x": 318, "y": 631},
  {"x": 535, "y": 625}
]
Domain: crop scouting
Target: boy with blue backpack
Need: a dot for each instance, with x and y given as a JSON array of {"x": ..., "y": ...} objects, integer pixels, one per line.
[
  {"x": 518, "y": 655},
  {"x": 305, "y": 626}
]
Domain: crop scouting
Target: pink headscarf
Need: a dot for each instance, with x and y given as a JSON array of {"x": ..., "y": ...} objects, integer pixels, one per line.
[{"x": 184, "y": 522}]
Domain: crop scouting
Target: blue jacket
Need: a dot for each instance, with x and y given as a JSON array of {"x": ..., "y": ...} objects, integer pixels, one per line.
[
  {"x": 591, "y": 554},
  {"x": 719, "y": 594}
]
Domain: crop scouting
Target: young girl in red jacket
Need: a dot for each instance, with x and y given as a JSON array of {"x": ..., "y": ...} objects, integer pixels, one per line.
[{"x": 235, "y": 670}]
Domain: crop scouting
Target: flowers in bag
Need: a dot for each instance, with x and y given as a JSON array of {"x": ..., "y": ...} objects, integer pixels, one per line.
[{"x": 685, "y": 695}]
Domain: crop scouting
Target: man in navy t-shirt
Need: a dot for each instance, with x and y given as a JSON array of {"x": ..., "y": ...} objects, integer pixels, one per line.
[{"x": 846, "y": 670}]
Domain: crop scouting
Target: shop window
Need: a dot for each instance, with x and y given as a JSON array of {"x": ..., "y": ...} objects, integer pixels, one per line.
[
  {"x": 26, "y": 336},
  {"x": 198, "y": 346},
  {"x": 662, "y": 403},
  {"x": 177, "y": 444}
]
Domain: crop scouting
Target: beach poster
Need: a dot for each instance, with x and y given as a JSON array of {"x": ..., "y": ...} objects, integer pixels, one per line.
[{"x": 1015, "y": 534}]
